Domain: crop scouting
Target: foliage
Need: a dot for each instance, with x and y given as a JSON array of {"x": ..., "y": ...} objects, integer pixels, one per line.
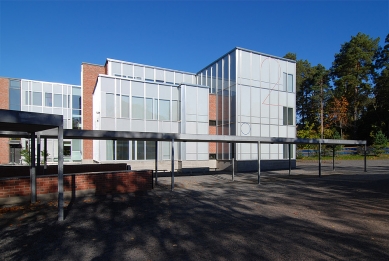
[
  {"x": 338, "y": 113},
  {"x": 352, "y": 72},
  {"x": 380, "y": 143},
  {"x": 25, "y": 153},
  {"x": 308, "y": 132}
]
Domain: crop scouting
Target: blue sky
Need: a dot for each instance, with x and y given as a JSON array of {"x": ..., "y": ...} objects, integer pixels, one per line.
[{"x": 48, "y": 40}]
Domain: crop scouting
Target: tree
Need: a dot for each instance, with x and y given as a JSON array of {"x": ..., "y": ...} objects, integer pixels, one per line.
[
  {"x": 380, "y": 143},
  {"x": 319, "y": 83},
  {"x": 352, "y": 72},
  {"x": 381, "y": 89},
  {"x": 338, "y": 110}
]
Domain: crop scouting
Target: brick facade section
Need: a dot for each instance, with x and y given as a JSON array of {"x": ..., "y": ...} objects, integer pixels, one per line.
[
  {"x": 90, "y": 73},
  {"x": 212, "y": 116},
  {"x": 102, "y": 183},
  {"x": 4, "y": 104}
]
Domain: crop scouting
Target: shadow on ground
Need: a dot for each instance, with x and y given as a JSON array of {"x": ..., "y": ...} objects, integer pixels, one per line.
[{"x": 339, "y": 217}]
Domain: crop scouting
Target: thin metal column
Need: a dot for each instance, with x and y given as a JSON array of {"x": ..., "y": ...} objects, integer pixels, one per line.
[
  {"x": 333, "y": 158},
  {"x": 364, "y": 153},
  {"x": 156, "y": 162},
  {"x": 172, "y": 186},
  {"x": 60, "y": 174},
  {"x": 233, "y": 160},
  {"x": 290, "y": 161},
  {"x": 32, "y": 169},
  {"x": 259, "y": 161},
  {"x": 45, "y": 155},
  {"x": 319, "y": 160},
  {"x": 38, "y": 154}
]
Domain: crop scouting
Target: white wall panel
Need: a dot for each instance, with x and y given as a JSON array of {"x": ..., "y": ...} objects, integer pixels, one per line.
[
  {"x": 256, "y": 67},
  {"x": 265, "y": 130},
  {"x": 245, "y": 65},
  {"x": 137, "y": 89},
  {"x": 245, "y": 100},
  {"x": 282, "y": 131},
  {"x": 107, "y": 84},
  {"x": 107, "y": 123},
  {"x": 125, "y": 90},
  {"x": 191, "y": 147},
  {"x": 265, "y": 66},
  {"x": 255, "y": 130},
  {"x": 191, "y": 128},
  {"x": 165, "y": 126},
  {"x": 273, "y": 131},
  {"x": 275, "y": 71},
  {"x": 291, "y": 100},
  {"x": 255, "y": 98},
  {"x": 137, "y": 125},
  {"x": 123, "y": 125},
  {"x": 202, "y": 128},
  {"x": 265, "y": 148},
  {"x": 151, "y": 90}
]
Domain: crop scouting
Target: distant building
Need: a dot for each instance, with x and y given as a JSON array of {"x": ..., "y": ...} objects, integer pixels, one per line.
[{"x": 243, "y": 93}]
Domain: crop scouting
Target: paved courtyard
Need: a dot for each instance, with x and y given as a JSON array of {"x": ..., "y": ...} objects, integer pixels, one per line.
[{"x": 344, "y": 215}]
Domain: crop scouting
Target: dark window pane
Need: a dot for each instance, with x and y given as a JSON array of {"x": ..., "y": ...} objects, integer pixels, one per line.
[
  {"x": 14, "y": 99},
  {"x": 122, "y": 150},
  {"x": 140, "y": 150},
  {"x": 150, "y": 150}
]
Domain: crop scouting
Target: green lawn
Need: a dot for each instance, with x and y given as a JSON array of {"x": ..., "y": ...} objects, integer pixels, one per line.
[{"x": 346, "y": 157}]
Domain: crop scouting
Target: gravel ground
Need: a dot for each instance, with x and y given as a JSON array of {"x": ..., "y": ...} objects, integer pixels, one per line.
[{"x": 344, "y": 215}]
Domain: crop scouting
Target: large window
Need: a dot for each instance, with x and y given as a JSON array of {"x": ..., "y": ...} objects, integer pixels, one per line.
[
  {"x": 14, "y": 95},
  {"x": 110, "y": 150},
  {"x": 175, "y": 111},
  {"x": 76, "y": 107},
  {"x": 118, "y": 108},
  {"x": 287, "y": 82},
  {"x": 149, "y": 108},
  {"x": 57, "y": 100},
  {"x": 288, "y": 116},
  {"x": 137, "y": 107},
  {"x": 287, "y": 152},
  {"x": 48, "y": 99},
  {"x": 110, "y": 105},
  {"x": 164, "y": 110},
  {"x": 37, "y": 98},
  {"x": 125, "y": 106},
  {"x": 122, "y": 150}
]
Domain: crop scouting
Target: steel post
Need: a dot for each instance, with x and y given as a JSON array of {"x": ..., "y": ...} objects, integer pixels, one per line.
[
  {"x": 364, "y": 159},
  {"x": 32, "y": 169},
  {"x": 290, "y": 160},
  {"x": 60, "y": 174},
  {"x": 172, "y": 180},
  {"x": 259, "y": 161},
  {"x": 319, "y": 159}
]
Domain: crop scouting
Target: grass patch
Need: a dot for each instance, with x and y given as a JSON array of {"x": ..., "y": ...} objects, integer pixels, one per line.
[{"x": 346, "y": 157}]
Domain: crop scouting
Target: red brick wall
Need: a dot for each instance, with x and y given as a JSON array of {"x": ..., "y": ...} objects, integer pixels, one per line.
[
  {"x": 102, "y": 183},
  {"x": 212, "y": 116},
  {"x": 4, "y": 104},
  {"x": 89, "y": 78}
]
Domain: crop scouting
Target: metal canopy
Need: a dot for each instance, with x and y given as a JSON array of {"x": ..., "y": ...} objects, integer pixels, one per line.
[
  {"x": 20, "y": 122},
  {"x": 27, "y": 124},
  {"x": 155, "y": 136}
]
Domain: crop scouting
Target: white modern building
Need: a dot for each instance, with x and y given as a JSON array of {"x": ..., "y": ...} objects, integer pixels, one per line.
[{"x": 243, "y": 93}]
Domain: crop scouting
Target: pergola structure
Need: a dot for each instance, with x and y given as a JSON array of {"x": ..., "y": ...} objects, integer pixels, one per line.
[{"x": 26, "y": 124}]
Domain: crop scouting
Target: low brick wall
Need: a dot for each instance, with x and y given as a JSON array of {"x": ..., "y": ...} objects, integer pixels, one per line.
[
  {"x": 24, "y": 170},
  {"x": 98, "y": 183}
]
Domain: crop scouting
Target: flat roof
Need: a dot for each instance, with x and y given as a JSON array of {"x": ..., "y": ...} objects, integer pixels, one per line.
[
  {"x": 26, "y": 122},
  {"x": 155, "y": 136}
]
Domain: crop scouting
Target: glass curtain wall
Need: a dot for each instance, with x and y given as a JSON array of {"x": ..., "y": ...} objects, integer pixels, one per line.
[{"x": 220, "y": 77}]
